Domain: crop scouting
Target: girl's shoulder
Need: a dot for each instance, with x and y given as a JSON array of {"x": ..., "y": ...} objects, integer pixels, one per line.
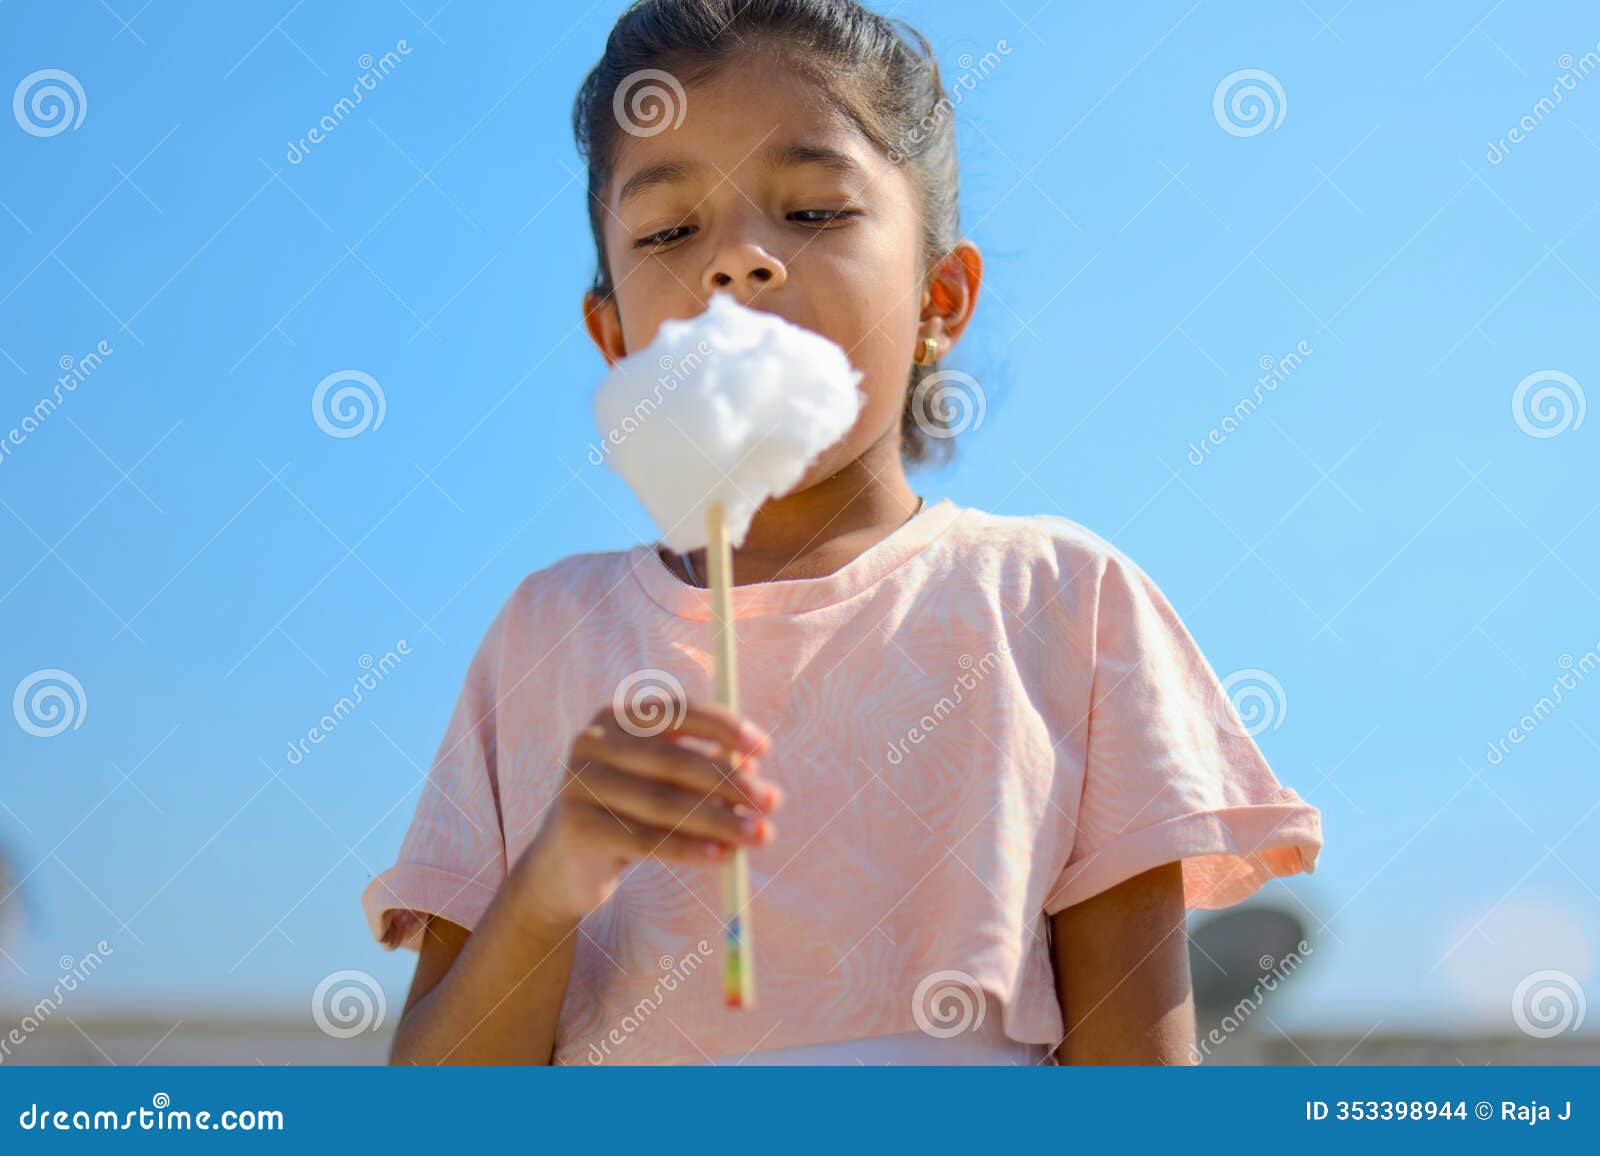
[
  {"x": 575, "y": 574},
  {"x": 1050, "y": 539},
  {"x": 565, "y": 590},
  {"x": 1078, "y": 575}
]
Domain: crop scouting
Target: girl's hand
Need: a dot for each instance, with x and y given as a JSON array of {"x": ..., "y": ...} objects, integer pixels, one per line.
[{"x": 630, "y": 792}]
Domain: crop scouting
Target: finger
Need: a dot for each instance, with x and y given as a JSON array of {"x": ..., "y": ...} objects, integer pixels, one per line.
[
  {"x": 713, "y": 721},
  {"x": 636, "y": 840},
  {"x": 659, "y": 803},
  {"x": 658, "y": 757}
]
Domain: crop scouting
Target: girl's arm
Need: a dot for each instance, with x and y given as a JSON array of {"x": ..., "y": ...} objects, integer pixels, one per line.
[
  {"x": 489, "y": 996},
  {"x": 1122, "y": 974}
]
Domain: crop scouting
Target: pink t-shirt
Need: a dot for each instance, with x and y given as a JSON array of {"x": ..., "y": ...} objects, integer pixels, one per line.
[{"x": 979, "y": 721}]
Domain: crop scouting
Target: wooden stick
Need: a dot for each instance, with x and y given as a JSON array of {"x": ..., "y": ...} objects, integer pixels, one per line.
[{"x": 739, "y": 979}]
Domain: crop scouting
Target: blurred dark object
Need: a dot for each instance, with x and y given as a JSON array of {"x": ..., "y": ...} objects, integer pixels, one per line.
[
  {"x": 11, "y": 900},
  {"x": 1239, "y": 957}
]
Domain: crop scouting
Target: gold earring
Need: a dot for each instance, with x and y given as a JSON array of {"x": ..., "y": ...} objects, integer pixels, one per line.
[{"x": 926, "y": 352}]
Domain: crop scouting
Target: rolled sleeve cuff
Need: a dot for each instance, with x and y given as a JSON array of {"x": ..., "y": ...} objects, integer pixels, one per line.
[
  {"x": 396, "y": 901},
  {"x": 1227, "y": 854}
]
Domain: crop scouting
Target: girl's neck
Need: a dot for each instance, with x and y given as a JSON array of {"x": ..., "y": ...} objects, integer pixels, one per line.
[{"x": 817, "y": 530}]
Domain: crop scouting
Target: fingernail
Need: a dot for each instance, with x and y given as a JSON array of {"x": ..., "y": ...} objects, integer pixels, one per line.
[
  {"x": 712, "y": 849},
  {"x": 750, "y": 827},
  {"x": 768, "y": 797},
  {"x": 753, "y": 735}
]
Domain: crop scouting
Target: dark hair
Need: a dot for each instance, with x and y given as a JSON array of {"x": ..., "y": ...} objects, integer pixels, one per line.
[{"x": 886, "y": 83}]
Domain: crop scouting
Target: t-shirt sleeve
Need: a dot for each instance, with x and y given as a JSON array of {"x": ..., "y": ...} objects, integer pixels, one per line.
[
  {"x": 453, "y": 857},
  {"x": 1172, "y": 772}
]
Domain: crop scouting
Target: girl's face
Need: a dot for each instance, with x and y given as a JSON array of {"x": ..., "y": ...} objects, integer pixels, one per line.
[{"x": 765, "y": 192}]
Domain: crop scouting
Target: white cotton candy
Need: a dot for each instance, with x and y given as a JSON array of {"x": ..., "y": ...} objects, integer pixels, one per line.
[{"x": 731, "y": 405}]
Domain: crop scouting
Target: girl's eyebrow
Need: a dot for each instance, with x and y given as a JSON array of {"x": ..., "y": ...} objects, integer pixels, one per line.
[{"x": 778, "y": 156}]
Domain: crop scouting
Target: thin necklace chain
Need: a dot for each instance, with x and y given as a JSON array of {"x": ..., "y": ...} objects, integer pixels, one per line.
[{"x": 693, "y": 573}]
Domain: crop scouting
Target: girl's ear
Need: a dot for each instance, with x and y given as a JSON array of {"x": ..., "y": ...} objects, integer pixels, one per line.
[
  {"x": 951, "y": 295},
  {"x": 604, "y": 324}
]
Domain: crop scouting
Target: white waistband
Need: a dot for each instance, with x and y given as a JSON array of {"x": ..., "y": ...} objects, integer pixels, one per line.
[{"x": 985, "y": 1044}]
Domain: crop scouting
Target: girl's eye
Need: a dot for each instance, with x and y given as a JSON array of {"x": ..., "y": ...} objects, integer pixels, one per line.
[
  {"x": 811, "y": 216},
  {"x": 655, "y": 240},
  {"x": 803, "y": 216}
]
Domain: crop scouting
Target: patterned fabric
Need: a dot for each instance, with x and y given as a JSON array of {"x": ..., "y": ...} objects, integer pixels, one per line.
[{"x": 979, "y": 721}]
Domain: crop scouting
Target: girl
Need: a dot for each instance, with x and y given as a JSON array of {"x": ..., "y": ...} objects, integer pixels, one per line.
[{"x": 982, "y": 768}]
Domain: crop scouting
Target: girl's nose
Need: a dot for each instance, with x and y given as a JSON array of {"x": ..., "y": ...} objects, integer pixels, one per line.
[{"x": 743, "y": 267}]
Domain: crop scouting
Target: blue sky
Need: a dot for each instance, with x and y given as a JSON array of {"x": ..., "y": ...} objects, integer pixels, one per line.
[{"x": 1382, "y": 535}]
